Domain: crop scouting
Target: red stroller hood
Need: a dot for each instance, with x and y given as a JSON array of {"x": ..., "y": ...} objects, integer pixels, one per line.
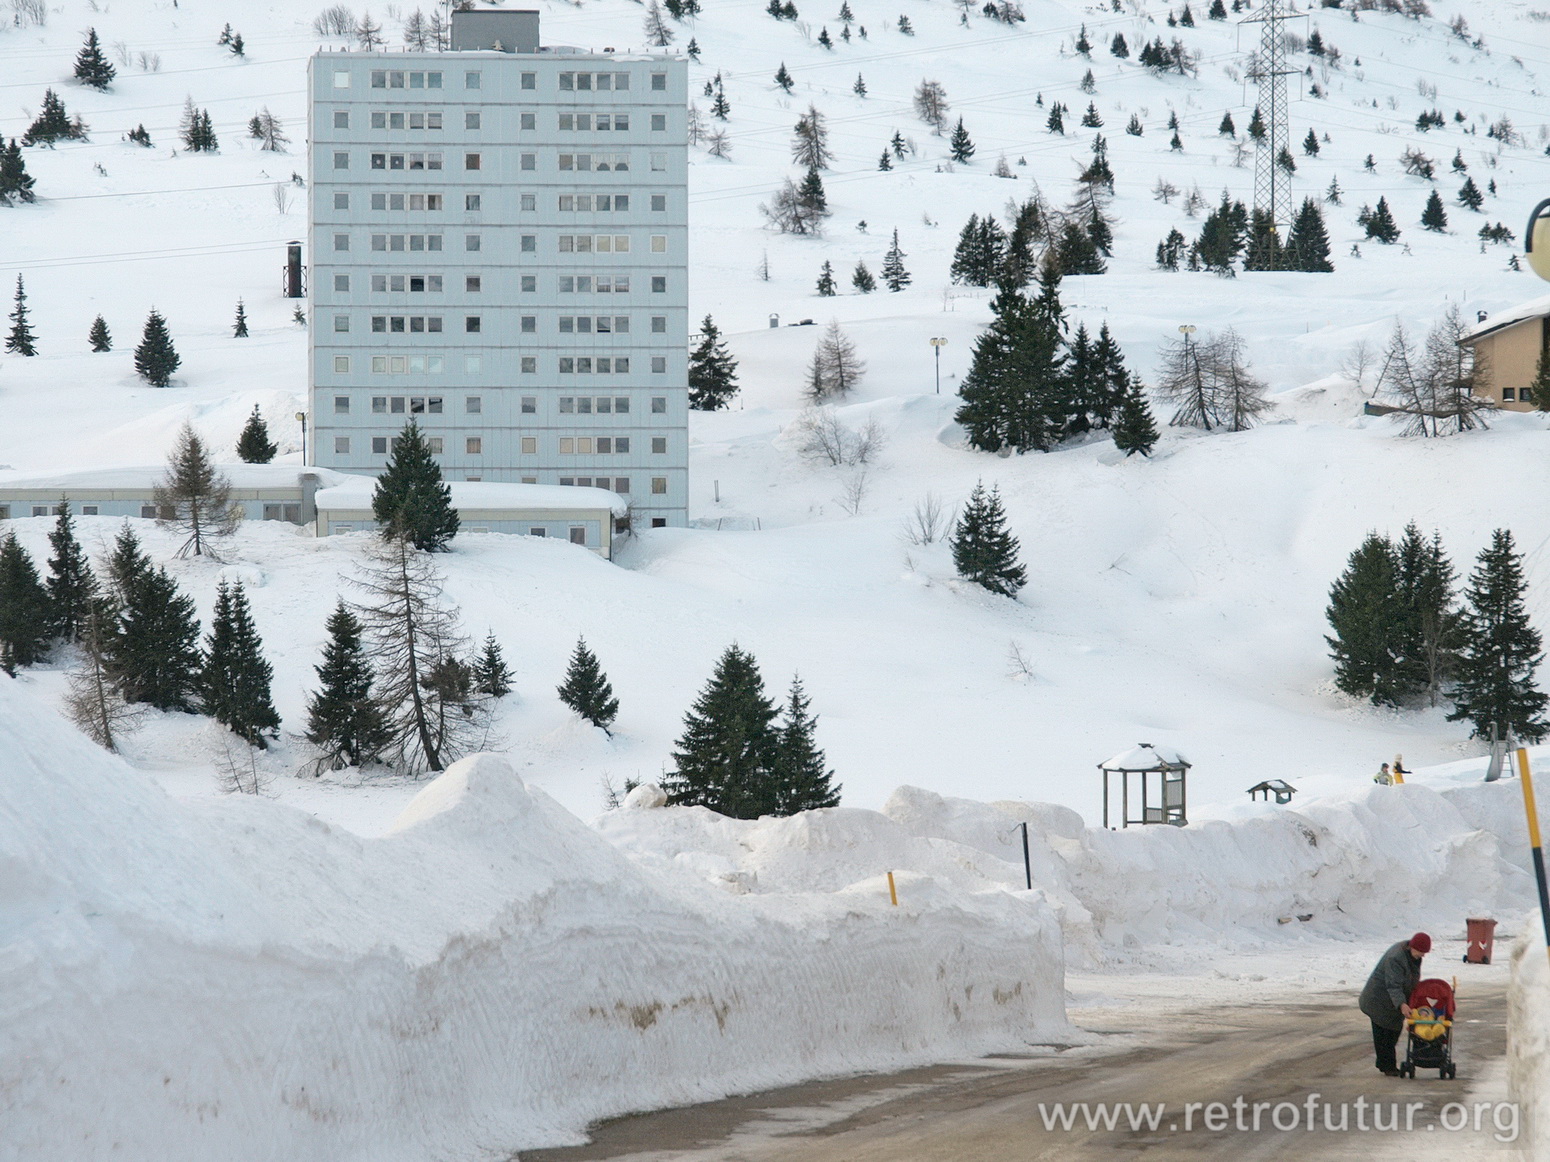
[{"x": 1436, "y": 995}]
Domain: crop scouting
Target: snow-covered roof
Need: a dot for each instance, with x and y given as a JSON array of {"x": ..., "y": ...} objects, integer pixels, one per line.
[
  {"x": 145, "y": 478},
  {"x": 1533, "y": 309},
  {"x": 353, "y": 494},
  {"x": 1145, "y": 757}
]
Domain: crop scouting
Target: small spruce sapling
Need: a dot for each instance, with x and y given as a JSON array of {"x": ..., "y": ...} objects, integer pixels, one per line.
[{"x": 586, "y": 689}]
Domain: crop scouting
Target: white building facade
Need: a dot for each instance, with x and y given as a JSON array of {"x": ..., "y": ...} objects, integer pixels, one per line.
[{"x": 499, "y": 253}]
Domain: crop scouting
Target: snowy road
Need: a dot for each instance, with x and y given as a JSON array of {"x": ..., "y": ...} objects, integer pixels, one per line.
[{"x": 989, "y": 1111}]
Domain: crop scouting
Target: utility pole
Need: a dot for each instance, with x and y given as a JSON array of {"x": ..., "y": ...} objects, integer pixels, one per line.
[
  {"x": 1272, "y": 188},
  {"x": 937, "y": 345}
]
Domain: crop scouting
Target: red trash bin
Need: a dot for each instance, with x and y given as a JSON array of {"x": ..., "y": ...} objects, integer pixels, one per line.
[{"x": 1482, "y": 938}]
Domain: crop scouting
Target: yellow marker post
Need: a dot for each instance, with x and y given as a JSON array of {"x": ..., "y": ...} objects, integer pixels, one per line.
[
  {"x": 893, "y": 892},
  {"x": 1534, "y": 842}
]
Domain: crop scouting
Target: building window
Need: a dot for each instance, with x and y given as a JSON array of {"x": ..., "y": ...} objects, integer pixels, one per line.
[
  {"x": 530, "y": 445},
  {"x": 528, "y": 243},
  {"x": 471, "y": 324},
  {"x": 659, "y": 364},
  {"x": 379, "y": 403},
  {"x": 341, "y": 282},
  {"x": 659, "y": 522},
  {"x": 341, "y": 201},
  {"x": 529, "y": 121},
  {"x": 341, "y": 323},
  {"x": 578, "y": 534},
  {"x": 379, "y": 445},
  {"x": 659, "y": 244},
  {"x": 473, "y": 404},
  {"x": 341, "y": 445},
  {"x": 471, "y": 161},
  {"x": 659, "y": 405},
  {"x": 471, "y": 242},
  {"x": 1509, "y": 394},
  {"x": 529, "y": 365},
  {"x": 659, "y": 445},
  {"x": 659, "y": 82},
  {"x": 538, "y": 531},
  {"x": 529, "y": 405},
  {"x": 341, "y": 242},
  {"x": 341, "y": 159},
  {"x": 471, "y": 80},
  {"x": 147, "y": 512},
  {"x": 470, "y": 120},
  {"x": 529, "y": 324},
  {"x": 434, "y": 445},
  {"x": 529, "y": 283},
  {"x": 341, "y": 79},
  {"x": 659, "y": 324},
  {"x": 659, "y": 201},
  {"x": 86, "y": 510},
  {"x": 659, "y": 284},
  {"x": 659, "y": 486},
  {"x": 530, "y": 80},
  {"x": 341, "y": 119},
  {"x": 473, "y": 445},
  {"x": 528, "y": 161},
  {"x": 341, "y": 365},
  {"x": 529, "y": 202},
  {"x": 341, "y": 405},
  {"x": 659, "y": 161}
]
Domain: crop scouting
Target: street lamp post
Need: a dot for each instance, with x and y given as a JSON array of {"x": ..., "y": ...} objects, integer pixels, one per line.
[
  {"x": 301, "y": 418},
  {"x": 937, "y": 345}
]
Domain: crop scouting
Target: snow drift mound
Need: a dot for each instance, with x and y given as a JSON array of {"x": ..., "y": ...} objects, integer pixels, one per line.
[{"x": 241, "y": 981}]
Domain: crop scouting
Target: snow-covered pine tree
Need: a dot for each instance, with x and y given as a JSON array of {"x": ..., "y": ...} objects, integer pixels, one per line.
[
  {"x": 411, "y": 501},
  {"x": 897, "y": 145},
  {"x": 492, "y": 677},
  {"x": 53, "y": 123},
  {"x": 1085, "y": 397},
  {"x": 1171, "y": 250},
  {"x": 1493, "y": 687},
  {"x": 905, "y": 26},
  {"x": 24, "y": 608},
  {"x": 140, "y": 136},
  {"x": 254, "y": 445},
  {"x": 1118, "y": 47},
  {"x": 1076, "y": 252},
  {"x": 824, "y": 38},
  {"x": 153, "y": 653},
  {"x": 586, "y": 689},
  {"x": 1308, "y": 243},
  {"x": 100, "y": 338},
  {"x": 1113, "y": 380},
  {"x": 239, "y": 328},
  {"x": 1134, "y": 429},
  {"x": 1427, "y": 637},
  {"x": 826, "y": 289},
  {"x": 959, "y": 145},
  {"x": 712, "y": 370},
  {"x": 859, "y": 88},
  {"x": 861, "y": 278},
  {"x": 1470, "y": 195},
  {"x": 1364, "y": 612},
  {"x": 723, "y": 759},
  {"x": 895, "y": 277},
  {"x": 91, "y": 66},
  {"x": 195, "y": 496},
  {"x": 720, "y": 107},
  {"x": 21, "y": 340},
  {"x": 1227, "y": 128},
  {"x": 71, "y": 587},
  {"x": 885, "y": 163},
  {"x": 1263, "y": 250},
  {"x": 692, "y": 50},
  {"x": 1084, "y": 46},
  {"x": 783, "y": 77},
  {"x": 236, "y": 678},
  {"x": 16, "y": 184},
  {"x": 1379, "y": 223},
  {"x": 799, "y": 770},
  {"x": 225, "y": 38},
  {"x": 344, "y": 722},
  {"x": 1434, "y": 217},
  {"x": 1257, "y": 128},
  {"x": 1056, "y": 122},
  {"x": 156, "y": 358},
  {"x": 984, "y": 552},
  {"x": 1090, "y": 119},
  {"x": 1133, "y": 127}
]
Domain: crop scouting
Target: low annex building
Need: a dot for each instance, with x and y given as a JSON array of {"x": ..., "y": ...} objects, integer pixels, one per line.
[
  {"x": 324, "y": 501},
  {"x": 1508, "y": 346}
]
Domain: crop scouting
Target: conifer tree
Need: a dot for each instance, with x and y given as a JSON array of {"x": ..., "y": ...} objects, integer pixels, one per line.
[
  {"x": 1470, "y": 195},
  {"x": 1090, "y": 119},
  {"x": 960, "y": 146},
  {"x": 1134, "y": 429},
  {"x": 1170, "y": 251},
  {"x": 586, "y": 689},
  {"x": 24, "y": 608},
  {"x": 723, "y": 759},
  {"x": 1113, "y": 380},
  {"x": 21, "y": 340},
  {"x": 885, "y": 163},
  {"x": 15, "y": 182},
  {"x": 195, "y": 496},
  {"x": 1364, "y": 613},
  {"x": 984, "y": 552},
  {"x": 1434, "y": 217},
  {"x": 239, "y": 328},
  {"x": 344, "y": 722},
  {"x": 1056, "y": 122},
  {"x": 53, "y": 123},
  {"x": 1118, "y": 47},
  {"x": 783, "y": 78},
  {"x": 859, "y": 88},
  {"x": 1257, "y": 128},
  {"x": 861, "y": 278},
  {"x": 659, "y": 33},
  {"x": 894, "y": 275},
  {"x": 140, "y": 136},
  {"x": 153, "y": 655},
  {"x": 1427, "y": 626},
  {"x": 826, "y": 275},
  {"x": 1494, "y": 686},
  {"x": 99, "y": 336},
  {"x": 1083, "y": 45},
  {"x": 1016, "y": 392},
  {"x": 254, "y": 445},
  {"x": 156, "y": 358},
  {"x": 93, "y": 700},
  {"x": 810, "y": 141},
  {"x": 1539, "y": 388},
  {"x": 491, "y": 675},
  {"x": 824, "y": 38},
  {"x": 1227, "y": 128},
  {"x": 71, "y": 587},
  {"x": 1310, "y": 144},
  {"x": 1379, "y": 223},
  {"x": 411, "y": 501},
  {"x": 713, "y": 370},
  {"x": 91, "y": 66},
  {"x": 896, "y": 143},
  {"x": 799, "y": 771},
  {"x": 1308, "y": 243},
  {"x": 236, "y": 678}
]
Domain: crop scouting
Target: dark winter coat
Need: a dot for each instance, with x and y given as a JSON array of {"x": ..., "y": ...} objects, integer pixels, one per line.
[{"x": 1390, "y": 986}]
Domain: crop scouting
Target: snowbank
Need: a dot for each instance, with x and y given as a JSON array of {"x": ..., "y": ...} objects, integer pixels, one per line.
[
  {"x": 1528, "y": 1048},
  {"x": 195, "y": 981}
]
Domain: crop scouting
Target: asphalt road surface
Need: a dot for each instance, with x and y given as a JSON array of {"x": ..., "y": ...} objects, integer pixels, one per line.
[{"x": 1239, "y": 1056}]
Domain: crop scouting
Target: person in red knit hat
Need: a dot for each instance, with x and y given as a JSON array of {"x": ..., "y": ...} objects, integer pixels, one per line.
[{"x": 1385, "y": 999}]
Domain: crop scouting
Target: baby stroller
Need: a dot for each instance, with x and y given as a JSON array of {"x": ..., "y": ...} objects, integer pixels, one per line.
[{"x": 1429, "y": 1044}]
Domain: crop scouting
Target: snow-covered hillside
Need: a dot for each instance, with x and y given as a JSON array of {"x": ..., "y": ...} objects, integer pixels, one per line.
[{"x": 1175, "y": 600}]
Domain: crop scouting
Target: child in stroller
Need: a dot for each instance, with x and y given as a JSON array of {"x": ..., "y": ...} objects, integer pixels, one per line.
[{"x": 1429, "y": 1044}]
